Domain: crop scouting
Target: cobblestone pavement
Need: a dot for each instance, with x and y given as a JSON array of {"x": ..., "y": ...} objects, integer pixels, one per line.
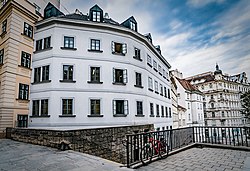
[
  {"x": 17, "y": 156},
  {"x": 202, "y": 159}
]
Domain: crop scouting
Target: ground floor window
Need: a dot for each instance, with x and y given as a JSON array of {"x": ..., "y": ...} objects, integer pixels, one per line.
[
  {"x": 22, "y": 121},
  {"x": 120, "y": 107}
]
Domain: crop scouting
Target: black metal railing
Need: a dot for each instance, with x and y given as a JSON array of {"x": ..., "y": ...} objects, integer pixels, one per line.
[
  {"x": 234, "y": 136},
  {"x": 182, "y": 137},
  {"x": 174, "y": 139}
]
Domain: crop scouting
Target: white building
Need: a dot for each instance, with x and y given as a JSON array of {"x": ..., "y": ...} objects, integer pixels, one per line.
[
  {"x": 222, "y": 96},
  {"x": 190, "y": 102},
  {"x": 93, "y": 71}
]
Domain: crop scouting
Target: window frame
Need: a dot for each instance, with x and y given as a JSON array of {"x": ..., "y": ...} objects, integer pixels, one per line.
[
  {"x": 25, "y": 60},
  {"x": 47, "y": 42},
  {"x": 139, "y": 108},
  {"x": 150, "y": 84},
  {"x": 93, "y": 113},
  {"x": 124, "y": 111},
  {"x": 4, "y": 26},
  {"x": 138, "y": 80},
  {"x": 98, "y": 75},
  {"x": 68, "y": 79},
  {"x": 95, "y": 47},
  {"x": 151, "y": 109},
  {"x": 1, "y": 56},
  {"x": 123, "y": 48},
  {"x": 137, "y": 54},
  {"x": 28, "y": 30},
  {"x": 149, "y": 60},
  {"x": 39, "y": 44},
  {"x": 124, "y": 78},
  {"x": 71, "y": 111},
  {"x": 95, "y": 15},
  {"x": 23, "y": 92},
  {"x": 69, "y": 45}
]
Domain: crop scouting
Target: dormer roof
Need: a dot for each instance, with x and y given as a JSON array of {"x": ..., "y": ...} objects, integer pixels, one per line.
[{"x": 127, "y": 23}]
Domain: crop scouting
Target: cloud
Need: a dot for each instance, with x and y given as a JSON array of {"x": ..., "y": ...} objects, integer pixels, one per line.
[{"x": 202, "y": 3}]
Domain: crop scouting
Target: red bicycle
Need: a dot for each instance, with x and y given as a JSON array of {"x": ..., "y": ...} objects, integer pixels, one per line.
[{"x": 154, "y": 147}]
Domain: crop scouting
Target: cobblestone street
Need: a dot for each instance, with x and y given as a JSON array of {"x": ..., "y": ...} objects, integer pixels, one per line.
[{"x": 201, "y": 159}]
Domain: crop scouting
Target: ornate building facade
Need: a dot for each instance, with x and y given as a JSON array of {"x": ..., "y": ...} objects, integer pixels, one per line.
[{"x": 222, "y": 96}]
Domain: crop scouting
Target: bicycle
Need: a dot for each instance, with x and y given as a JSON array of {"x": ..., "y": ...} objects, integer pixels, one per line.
[{"x": 154, "y": 147}]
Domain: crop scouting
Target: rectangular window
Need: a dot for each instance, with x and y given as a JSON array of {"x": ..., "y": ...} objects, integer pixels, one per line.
[
  {"x": 165, "y": 92},
  {"x": 1, "y": 56},
  {"x": 162, "y": 111},
  {"x": 39, "y": 44},
  {"x": 95, "y": 44},
  {"x": 149, "y": 61},
  {"x": 22, "y": 121},
  {"x": 164, "y": 73},
  {"x": 151, "y": 109},
  {"x": 138, "y": 82},
  {"x": 150, "y": 83},
  {"x": 45, "y": 73},
  {"x": 23, "y": 91},
  {"x": 25, "y": 59},
  {"x": 47, "y": 42},
  {"x": 166, "y": 110},
  {"x": 157, "y": 110},
  {"x": 169, "y": 93},
  {"x": 35, "y": 108},
  {"x": 155, "y": 65},
  {"x": 4, "y": 26},
  {"x": 37, "y": 75},
  {"x": 161, "y": 89},
  {"x": 169, "y": 111},
  {"x": 160, "y": 69},
  {"x": 68, "y": 42},
  {"x": 95, "y": 74},
  {"x": 119, "y": 76},
  {"x": 132, "y": 26},
  {"x": 67, "y": 106},
  {"x": 120, "y": 107},
  {"x": 139, "y": 108},
  {"x": 156, "y": 87},
  {"x": 137, "y": 54},
  {"x": 96, "y": 16},
  {"x": 44, "y": 107},
  {"x": 28, "y": 30},
  {"x": 68, "y": 72},
  {"x": 95, "y": 107},
  {"x": 119, "y": 48}
]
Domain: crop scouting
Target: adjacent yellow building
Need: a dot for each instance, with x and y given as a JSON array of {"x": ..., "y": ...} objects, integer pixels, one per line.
[{"x": 17, "y": 19}]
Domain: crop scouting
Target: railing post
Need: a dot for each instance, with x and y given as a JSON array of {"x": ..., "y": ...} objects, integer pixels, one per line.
[
  {"x": 193, "y": 135},
  {"x": 127, "y": 149}
]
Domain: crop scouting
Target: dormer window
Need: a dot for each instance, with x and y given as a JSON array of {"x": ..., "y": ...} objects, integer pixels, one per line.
[
  {"x": 132, "y": 26},
  {"x": 96, "y": 16}
]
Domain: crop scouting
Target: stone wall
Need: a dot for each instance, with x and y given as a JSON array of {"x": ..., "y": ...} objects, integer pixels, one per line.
[{"x": 103, "y": 142}]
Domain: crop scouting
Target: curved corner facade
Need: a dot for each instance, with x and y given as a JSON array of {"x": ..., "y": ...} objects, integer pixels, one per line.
[{"x": 97, "y": 74}]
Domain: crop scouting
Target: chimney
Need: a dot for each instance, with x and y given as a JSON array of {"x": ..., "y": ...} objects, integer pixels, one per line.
[{"x": 106, "y": 15}]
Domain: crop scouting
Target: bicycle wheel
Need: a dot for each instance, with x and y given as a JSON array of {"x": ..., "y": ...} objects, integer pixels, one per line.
[
  {"x": 146, "y": 154},
  {"x": 163, "y": 149}
]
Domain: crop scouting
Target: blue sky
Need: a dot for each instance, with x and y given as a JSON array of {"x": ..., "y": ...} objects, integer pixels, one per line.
[{"x": 193, "y": 34}]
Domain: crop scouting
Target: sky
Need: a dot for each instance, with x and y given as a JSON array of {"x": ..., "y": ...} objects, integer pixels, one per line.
[{"x": 194, "y": 35}]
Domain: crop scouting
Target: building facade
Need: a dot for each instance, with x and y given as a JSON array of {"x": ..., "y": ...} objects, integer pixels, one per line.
[
  {"x": 89, "y": 70},
  {"x": 17, "y": 18},
  {"x": 222, "y": 96},
  {"x": 174, "y": 97},
  {"x": 190, "y": 102}
]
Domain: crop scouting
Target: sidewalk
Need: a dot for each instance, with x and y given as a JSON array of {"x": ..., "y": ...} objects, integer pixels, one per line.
[{"x": 17, "y": 156}]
